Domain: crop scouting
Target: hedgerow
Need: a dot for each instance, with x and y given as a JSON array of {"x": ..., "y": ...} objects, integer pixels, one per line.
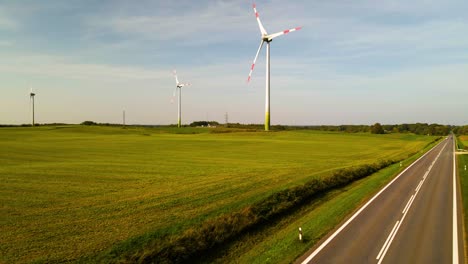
[{"x": 213, "y": 232}]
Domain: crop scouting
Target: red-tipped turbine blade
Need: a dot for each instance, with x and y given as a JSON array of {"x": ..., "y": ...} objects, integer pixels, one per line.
[
  {"x": 253, "y": 64},
  {"x": 284, "y": 32},
  {"x": 257, "y": 15}
]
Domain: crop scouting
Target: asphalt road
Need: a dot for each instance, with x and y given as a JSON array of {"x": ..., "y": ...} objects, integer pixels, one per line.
[{"x": 411, "y": 220}]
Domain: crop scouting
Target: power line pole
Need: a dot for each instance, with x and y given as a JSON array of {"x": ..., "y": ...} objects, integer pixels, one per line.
[{"x": 124, "y": 117}]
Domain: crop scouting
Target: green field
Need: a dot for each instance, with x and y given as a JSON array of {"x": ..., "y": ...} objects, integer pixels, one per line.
[
  {"x": 463, "y": 174},
  {"x": 464, "y": 142},
  {"x": 73, "y": 191}
]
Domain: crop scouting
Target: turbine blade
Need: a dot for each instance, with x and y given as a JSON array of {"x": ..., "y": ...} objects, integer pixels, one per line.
[
  {"x": 257, "y": 15},
  {"x": 173, "y": 95},
  {"x": 175, "y": 75},
  {"x": 272, "y": 36},
  {"x": 184, "y": 84},
  {"x": 253, "y": 64}
]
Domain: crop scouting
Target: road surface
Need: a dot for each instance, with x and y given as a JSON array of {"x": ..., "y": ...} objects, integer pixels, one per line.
[{"x": 416, "y": 218}]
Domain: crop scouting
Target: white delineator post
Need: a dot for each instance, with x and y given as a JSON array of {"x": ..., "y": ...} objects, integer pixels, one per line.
[{"x": 300, "y": 234}]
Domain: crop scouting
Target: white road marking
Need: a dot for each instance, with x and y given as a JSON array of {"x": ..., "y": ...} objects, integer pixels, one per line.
[
  {"x": 388, "y": 239},
  {"x": 330, "y": 238},
  {"x": 425, "y": 175},
  {"x": 419, "y": 185},
  {"x": 454, "y": 217},
  {"x": 386, "y": 245},
  {"x": 408, "y": 204}
]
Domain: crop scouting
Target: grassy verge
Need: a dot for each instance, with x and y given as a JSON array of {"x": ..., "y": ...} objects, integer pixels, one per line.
[
  {"x": 462, "y": 142},
  {"x": 278, "y": 243},
  {"x": 463, "y": 174},
  {"x": 213, "y": 233}
]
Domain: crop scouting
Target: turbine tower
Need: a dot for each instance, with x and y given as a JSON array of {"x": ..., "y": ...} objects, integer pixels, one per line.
[
  {"x": 31, "y": 96},
  {"x": 179, "y": 90},
  {"x": 266, "y": 38}
]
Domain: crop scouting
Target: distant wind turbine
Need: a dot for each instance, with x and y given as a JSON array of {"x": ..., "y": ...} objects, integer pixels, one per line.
[
  {"x": 266, "y": 38},
  {"x": 31, "y": 96},
  {"x": 179, "y": 90}
]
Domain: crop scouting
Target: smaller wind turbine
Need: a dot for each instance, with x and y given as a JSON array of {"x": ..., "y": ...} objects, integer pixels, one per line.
[
  {"x": 179, "y": 90},
  {"x": 31, "y": 96}
]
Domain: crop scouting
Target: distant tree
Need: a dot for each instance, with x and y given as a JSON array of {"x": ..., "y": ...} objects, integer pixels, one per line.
[
  {"x": 204, "y": 123},
  {"x": 377, "y": 129},
  {"x": 89, "y": 123}
]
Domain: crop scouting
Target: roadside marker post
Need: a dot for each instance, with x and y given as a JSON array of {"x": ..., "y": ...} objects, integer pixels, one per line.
[{"x": 300, "y": 234}]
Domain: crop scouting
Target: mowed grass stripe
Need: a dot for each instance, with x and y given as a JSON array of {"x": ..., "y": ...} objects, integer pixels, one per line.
[{"x": 75, "y": 191}]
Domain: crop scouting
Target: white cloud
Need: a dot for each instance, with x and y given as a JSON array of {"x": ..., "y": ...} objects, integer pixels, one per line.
[
  {"x": 66, "y": 68},
  {"x": 214, "y": 23},
  {"x": 424, "y": 36}
]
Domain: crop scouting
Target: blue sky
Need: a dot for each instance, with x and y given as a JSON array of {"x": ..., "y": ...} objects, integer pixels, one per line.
[{"x": 354, "y": 62}]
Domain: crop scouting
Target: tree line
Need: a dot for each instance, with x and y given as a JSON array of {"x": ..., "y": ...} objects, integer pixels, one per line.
[{"x": 377, "y": 128}]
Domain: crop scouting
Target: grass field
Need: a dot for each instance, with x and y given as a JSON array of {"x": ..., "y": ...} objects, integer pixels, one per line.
[
  {"x": 278, "y": 243},
  {"x": 464, "y": 141},
  {"x": 72, "y": 191}
]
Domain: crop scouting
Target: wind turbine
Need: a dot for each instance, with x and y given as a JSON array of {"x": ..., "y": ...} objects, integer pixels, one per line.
[
  {"x": 266, "y": 38},
  {"x": 31, "y": 96},
  {"x": 179, "y": 89}
]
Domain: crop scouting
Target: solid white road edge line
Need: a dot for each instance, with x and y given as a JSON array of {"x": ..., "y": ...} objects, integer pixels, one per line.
[
  {"x": 325, "y": 243},
  {"x": 454, "y": 217}
]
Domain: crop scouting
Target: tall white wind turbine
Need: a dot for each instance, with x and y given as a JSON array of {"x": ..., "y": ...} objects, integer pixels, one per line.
[
  {"x": 31, "y": 96},
  {"x": 266, "y": 38},
  {"x": 179, "y": 90}
]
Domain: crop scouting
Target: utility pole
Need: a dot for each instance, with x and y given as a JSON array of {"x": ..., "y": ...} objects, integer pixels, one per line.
[
  {"x": 124, "y": 117},
  {"x": 226, "y": 119}
]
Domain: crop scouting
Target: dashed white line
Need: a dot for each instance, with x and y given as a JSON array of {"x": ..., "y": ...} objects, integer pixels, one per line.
[
  {"x": 410, "y": 201},
  {"x": 330, "y": 238},
  {"x": 388, "y": 240},
  {"x": 419, "y": 185},
  {"x": 425, "y": 175},
  {"x": 390, "y": 237}
]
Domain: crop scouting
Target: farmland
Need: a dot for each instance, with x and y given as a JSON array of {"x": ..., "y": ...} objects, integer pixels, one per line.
[
  {"x": 464, "y": 141},
  {"x": 69, "y": 192}
]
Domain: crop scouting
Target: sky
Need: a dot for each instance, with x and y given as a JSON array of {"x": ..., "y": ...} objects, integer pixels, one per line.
[{"x": 353, "y": 62}]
